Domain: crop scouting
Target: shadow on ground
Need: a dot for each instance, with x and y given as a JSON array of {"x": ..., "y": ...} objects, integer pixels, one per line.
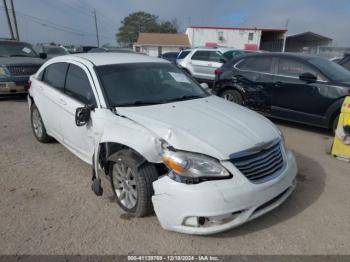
[{"x": 311, "y": 182}]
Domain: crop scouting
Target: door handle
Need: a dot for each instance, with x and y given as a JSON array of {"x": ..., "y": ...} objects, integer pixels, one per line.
[
  {"x": 278, "y": 84},
  {"x": 210, "y": 64},
  {"x": 62, "y": 102}
]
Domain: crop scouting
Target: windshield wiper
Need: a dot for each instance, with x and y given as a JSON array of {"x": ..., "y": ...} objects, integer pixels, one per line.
[
  {"x": 184, "y": 97},
  {"x": 19, "y": 55},
  {"x": 140, "y": 103}
]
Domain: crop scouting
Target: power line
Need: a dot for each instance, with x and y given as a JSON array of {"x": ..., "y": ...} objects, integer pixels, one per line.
[{"x": 56, "y": 26}]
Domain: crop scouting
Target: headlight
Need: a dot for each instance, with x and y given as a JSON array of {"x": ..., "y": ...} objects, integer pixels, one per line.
[
  {"x": 3, "y": 71},
  {"x": 191, "y": 165}
]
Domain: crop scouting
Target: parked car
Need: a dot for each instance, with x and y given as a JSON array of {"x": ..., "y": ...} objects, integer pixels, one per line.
[
  {"x": 345, "y": 61},
  {"x": 205, "y": 164},
  {"x": 201, "y": 63},
  {"x": 110, "y": 50},
  {"x": 295, "y": 87},
  {"x": 52, "y": 51},
  {"x": 170, "y": 56},
  {"x": 18, "y": 61}
]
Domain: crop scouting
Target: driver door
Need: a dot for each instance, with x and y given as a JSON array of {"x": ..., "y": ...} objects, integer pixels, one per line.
[{"x": 78, "y": 93}]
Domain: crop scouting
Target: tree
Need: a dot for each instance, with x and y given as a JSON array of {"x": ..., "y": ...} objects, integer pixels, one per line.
[{"x": 141, "y": 22}]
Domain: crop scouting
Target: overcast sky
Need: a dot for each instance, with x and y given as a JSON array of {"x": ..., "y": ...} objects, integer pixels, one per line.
[{"x": 71, "y": 21}]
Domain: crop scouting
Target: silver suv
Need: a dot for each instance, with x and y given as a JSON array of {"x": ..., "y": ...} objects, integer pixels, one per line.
[{"x": 201, "y": 63}]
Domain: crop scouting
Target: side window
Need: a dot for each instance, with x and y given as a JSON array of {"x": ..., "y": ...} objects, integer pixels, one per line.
[
  {"x": 78, "y": 85},
  {"x": 215, "y": 56},
  {"x": 257, "y": 64},
  {"x": 201, "y": 55},
  {"x": 55, "y": 75},
  {"x": 290, "y": 67}
]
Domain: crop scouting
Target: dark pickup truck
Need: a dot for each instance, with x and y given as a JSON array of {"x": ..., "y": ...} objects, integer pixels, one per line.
[{"x": 18, "y": 61}]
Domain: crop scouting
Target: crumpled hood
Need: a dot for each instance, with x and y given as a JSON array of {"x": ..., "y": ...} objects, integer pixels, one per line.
[
  {"x": 21, "y": 61},
  {"x": 210, "y": 125}
]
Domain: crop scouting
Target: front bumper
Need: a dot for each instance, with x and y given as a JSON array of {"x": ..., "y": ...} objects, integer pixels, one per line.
[
  {"x": 215, "y": 206},
  {"x": 13, "y": 85}
]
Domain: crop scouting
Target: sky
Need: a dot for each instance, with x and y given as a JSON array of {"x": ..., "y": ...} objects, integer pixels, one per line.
[{"x": 72, "y": 22}]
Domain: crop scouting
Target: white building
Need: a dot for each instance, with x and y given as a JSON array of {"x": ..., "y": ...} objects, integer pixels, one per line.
[
  {"x": 155, "y": 44},
  {"x": 237, "y": 37}
]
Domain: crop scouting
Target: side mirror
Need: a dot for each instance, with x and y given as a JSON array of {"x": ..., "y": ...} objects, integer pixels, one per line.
[
  {"x": 82, "y": 115},
  {"x": 43, "y": 55},
  {"x": 308, "y": 78}
]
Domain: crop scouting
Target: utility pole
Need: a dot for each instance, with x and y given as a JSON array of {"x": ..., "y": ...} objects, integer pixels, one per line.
[
  {"x": 285, "y": 36},
  {"x": 8, "y": 19},
  {"x": 98, "y": 40},
  {"x": 14, "y": 19}
]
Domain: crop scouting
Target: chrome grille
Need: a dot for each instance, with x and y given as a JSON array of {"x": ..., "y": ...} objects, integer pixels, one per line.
[
  {"x": 261, "y": 166},
  {"x": 23, "y": 70}
]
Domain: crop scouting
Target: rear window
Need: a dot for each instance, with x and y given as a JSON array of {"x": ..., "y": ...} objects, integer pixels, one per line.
[
  {"x": 183, "y": 54},
  {"x": 55, "y": 75}
]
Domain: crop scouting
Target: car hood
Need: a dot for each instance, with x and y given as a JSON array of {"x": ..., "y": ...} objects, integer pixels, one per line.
[
  {"x": 21, "y": 61},
  {"x": 210, "y": 126}
]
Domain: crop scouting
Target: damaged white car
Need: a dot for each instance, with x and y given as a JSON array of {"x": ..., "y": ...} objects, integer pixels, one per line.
[{"x": 203, "y": 164}]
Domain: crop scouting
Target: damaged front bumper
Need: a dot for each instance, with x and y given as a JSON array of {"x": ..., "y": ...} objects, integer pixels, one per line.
[{"x": 215, "y": 206}]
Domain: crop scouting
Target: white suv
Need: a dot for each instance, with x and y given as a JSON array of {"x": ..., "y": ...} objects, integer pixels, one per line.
[
  {"x": 201, "y": 63},
  {"x": 204, "y": 164}
]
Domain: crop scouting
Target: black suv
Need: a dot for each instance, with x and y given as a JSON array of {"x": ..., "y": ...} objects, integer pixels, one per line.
[
  {"x": 18, "y": 61},
  {"x": 296, "y": 87},
  {"x": 345, "y": 61}
]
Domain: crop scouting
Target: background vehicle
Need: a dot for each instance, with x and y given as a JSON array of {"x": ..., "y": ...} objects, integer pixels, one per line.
[
  {"x": 149, "y": 127},
  {"x": 170, "y": 56},
  {"x": 18, "y": 61},
  {"x": 52, "y": 51},
  {"x": 201, "y": 63},
  {"x": 295, "y": 87},
  {"x": 230, "y": 53},
  {"x": 110, "y": 50},
  {"x": 345, "y": 61}
]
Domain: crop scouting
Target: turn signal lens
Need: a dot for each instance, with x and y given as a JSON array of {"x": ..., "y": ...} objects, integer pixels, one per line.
[{"x": 174, "y": 165}]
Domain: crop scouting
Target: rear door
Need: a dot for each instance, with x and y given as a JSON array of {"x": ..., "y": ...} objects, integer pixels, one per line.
[
  {"x": 254, "y": 75},
  {"x": 50, "y": 89},
  {"x": 294, "y": 98}
]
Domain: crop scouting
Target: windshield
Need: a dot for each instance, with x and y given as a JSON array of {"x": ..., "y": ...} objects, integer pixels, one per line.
[
  {"x": 332, "y": 70},
  {"x": 55, "y": 51},
  {"x": 16, "y": 49},
  {"x": 183, "y": 54},
  {"x": 147, "y": 83},
  {"x": 230, "y": 54}
]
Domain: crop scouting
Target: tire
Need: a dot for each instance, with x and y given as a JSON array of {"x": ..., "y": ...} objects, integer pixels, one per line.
[
  {"x": 232, "y": 96},
  {"x": 38, "y": 126},
  {"x": 335, "y": 124},
  {"x": 132, "y": 183}
]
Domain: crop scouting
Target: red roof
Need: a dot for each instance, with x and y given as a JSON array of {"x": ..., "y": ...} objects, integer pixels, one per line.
[{"x": 239, "y": 28}]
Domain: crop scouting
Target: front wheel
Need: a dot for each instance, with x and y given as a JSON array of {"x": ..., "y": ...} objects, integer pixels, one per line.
[
  {"x": 132, "y": 183},
  {"x": 232, "y": 96}
]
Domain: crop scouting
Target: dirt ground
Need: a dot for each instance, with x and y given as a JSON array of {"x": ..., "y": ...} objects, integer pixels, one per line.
[{"x": 47, "y": 207}]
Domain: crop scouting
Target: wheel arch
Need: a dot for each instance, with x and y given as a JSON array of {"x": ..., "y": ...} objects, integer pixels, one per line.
[{"x": 333, "y": 110}]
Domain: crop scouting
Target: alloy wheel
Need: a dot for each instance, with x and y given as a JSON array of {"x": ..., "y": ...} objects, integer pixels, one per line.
[{"x": 125, "y": 185}]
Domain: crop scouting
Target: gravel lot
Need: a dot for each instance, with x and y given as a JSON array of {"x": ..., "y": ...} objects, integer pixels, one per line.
[{"x": 47, "y": 207}]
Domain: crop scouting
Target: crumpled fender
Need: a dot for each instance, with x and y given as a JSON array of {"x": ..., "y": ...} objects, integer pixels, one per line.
[{"x": 133, "y": 135}]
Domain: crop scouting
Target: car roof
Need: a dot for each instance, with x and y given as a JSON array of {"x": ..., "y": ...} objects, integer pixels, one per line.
[
  {"x": 280, "y": 54},
  {"x": 100, "y": 59}
]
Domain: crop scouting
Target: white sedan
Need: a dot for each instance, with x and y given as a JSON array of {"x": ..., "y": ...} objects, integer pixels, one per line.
[{"x": 203, "y": 164}]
